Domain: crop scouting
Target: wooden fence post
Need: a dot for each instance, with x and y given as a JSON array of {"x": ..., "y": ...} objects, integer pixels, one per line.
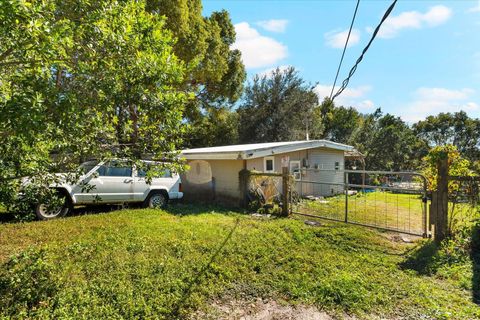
[
  {"x": 286, "y": 191},
  {"x": 244, "y": 179},
  {"x": 441, "y": 216}
]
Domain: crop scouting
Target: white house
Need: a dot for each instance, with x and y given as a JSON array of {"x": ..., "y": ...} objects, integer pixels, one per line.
[{"x": 214, "y": 171}]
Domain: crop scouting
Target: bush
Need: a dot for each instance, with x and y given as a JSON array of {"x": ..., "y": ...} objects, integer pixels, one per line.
[{"x": 27, "y": 282}]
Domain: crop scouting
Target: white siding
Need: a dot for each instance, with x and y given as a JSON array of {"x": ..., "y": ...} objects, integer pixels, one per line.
[{"x": 322, "y": 169}]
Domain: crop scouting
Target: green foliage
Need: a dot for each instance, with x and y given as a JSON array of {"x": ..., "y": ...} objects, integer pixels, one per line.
[
  {"x": 457, "y": 166},
  {"x": 387, "y": 142},
  {"x": 456, "y": 260},
  {"x": 219, "y": 126},
  {"x": 84, "y": 79},
  {"x": 460, "y": 215},
  {"x": 152, "y": 264},
  {"x": 452, "y": 128},
  {"x": 28, "y": 280},
  {"x": 215, "y": 73},
  {"x": 275, "y": 107},
  {"x": 338, "y": 123}
]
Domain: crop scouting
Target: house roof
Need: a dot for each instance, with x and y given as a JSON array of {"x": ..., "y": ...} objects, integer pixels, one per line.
[{"x": 258, "y": 150}]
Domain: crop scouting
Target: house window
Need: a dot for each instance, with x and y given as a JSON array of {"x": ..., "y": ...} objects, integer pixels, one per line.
[
  {"x": 269, "y": 164},
  {"x": 295, "y": 169},
  {"x": 337, "y": 165}
]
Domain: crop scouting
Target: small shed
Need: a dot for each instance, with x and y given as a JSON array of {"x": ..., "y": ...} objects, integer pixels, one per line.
[{"x": 214, "y": 174}]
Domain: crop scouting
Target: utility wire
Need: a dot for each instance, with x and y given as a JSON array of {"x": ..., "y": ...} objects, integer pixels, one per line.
[
  {"x": 354, "y": 68},
  {"x": 344, "y": 48}
]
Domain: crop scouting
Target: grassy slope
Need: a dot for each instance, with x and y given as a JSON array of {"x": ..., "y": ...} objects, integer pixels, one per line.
[{"x": 149, "y": 264}]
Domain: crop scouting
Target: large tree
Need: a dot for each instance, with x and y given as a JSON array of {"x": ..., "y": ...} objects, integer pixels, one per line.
[
  {"x": 215, "y": 73},
  {"x": 387, "y": 142},
  {"x": 456, "y": 128},
  {"x": 338, "y": 123},
  {"x": 276, "y": 107},
  {"x": 82, "y": 79},
  {"x": 219, "y": 127}
]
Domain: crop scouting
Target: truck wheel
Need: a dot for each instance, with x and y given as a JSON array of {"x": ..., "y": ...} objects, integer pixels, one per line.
[
  {"x": 46, "y": 212},
  {"x": 156, "y": 200}
]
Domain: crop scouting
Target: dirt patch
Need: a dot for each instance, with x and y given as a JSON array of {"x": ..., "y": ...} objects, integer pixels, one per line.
[
  {"x": 262, "y": 310},
  {"x": 401, "y": 237}
]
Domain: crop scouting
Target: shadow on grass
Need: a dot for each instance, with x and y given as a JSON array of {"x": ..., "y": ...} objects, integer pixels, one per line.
[
  {"x": 6, "y": 217},
  {"x": 422, "y": 258},
  {"x": 184, "y": 209},
  {"x": 9, "y": 217},
  {"x": 176, "y": 208},
  {"x": 428, "y": 257},
  {"x": 189, "y": 289}
]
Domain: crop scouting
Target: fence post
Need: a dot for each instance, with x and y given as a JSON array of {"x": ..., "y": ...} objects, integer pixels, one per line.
[
  {"x": 286, "y": 191},
  {"x": 441, "y": 216},
  {"x": 346, "y": 196},
  {"x": 244, "y": 179},
  {"x": 432, "y": 212}
]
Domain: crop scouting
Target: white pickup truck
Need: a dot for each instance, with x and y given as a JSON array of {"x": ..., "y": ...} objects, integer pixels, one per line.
[{"x": 113, "y": 182}]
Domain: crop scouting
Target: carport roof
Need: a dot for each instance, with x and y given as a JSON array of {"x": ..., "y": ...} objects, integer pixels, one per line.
[{"x": 258, "y": 150}]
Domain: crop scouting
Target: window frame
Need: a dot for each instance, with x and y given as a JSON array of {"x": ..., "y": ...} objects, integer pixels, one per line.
[
  {"x": 107, "y": 165},
  {"x": 265, "y": 159},
  {"x": 297, "y": 175},
  {"x": 168, "y": 173}
]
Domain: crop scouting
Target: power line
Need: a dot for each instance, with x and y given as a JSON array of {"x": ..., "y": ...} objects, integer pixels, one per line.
[
  {"x": 354, "y": 68},
  {"x": 344, "y": 48}
]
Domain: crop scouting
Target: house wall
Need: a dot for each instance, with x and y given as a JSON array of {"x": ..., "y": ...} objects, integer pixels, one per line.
[
  {"x": 258, "y": 165},
  {"x": 323, "y": 157},
  {"x": 223, "y": 187},
  {"x": 321, "y": 168}
]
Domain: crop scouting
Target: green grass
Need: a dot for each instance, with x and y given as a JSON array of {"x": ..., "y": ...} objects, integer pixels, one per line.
[
  {"x": 157, "y": 264},
  {"x": 403, "y": 212},
  {"x": 383, "y": 209}
]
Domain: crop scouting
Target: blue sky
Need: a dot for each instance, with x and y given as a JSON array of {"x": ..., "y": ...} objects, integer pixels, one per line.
[{"x": 425, "y": 60}]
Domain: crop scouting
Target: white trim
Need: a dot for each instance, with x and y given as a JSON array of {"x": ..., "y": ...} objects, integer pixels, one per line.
[
  {"x": 265, "y": 159},
  {"x": 259, "y": 150}
]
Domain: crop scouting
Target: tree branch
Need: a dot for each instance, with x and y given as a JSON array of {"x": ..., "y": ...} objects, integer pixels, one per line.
[{"x": 6, "y": 53}]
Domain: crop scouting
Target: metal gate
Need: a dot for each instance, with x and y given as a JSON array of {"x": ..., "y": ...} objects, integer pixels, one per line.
[{"x": 395, "y": 201}]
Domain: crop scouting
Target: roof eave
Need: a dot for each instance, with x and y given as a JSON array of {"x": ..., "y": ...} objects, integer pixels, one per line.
[
  {"x": 214, "y": 156},
  {"x": 259, "y": 153},
  {"x": 264, "y": 152}
]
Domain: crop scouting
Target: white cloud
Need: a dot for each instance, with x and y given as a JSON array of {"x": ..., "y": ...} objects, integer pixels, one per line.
[
  {"x": 274, "y": 25},
  {"x": 365, "y": 105},
  {"x": 475, "y": 9},
  {"x": 336, "y": 39},
  {"x": 435, "y": 16},
  {"x": 431, "y": 101},
  {"x": 350, "y": 97},
  {"x": 257, "y": 51}
]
